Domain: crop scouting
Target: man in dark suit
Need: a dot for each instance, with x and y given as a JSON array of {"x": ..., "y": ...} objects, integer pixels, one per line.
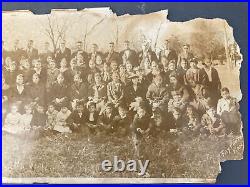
[
  {"x": 94, "y": 52},
  {"x": 112, "y": 55},
  {"x": 43, "y": 55},
  {"x": 129, "y": 55},
  {"x": 169, "y": 53},
  {"x": 63, "y": 52},
  {"x": 31, "y": 52},
  {"x": 79, "y": 50}
]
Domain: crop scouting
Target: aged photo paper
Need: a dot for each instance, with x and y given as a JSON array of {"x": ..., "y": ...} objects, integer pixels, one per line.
[{"x": 92, "y": 97}]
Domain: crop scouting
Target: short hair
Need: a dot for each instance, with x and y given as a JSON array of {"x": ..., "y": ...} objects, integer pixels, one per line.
[
  {"x": 225, "y": 89},
  {"x": 126, "y": 41},
  {"x": 79, "y": 42},
  {"x": 112, "y": 43},
  {"x": 31, "y": 41}
]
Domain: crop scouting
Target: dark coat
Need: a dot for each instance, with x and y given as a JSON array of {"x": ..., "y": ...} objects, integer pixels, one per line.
[
  {"x": 112, "y": 56},
  {"x": 59, "y": 55},
  {"x": 171, "y": 55}
]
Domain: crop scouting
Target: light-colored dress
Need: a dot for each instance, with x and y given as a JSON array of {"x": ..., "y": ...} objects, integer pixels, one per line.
[
  {"x": 13, "y": 123},
  {"x": 61, "y": 125}
]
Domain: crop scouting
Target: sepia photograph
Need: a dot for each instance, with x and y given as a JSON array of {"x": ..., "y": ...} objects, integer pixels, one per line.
[{"x": 92, "y": 97}]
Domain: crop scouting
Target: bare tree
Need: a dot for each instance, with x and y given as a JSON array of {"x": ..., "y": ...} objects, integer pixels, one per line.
[{"x": 55, "y": 29}]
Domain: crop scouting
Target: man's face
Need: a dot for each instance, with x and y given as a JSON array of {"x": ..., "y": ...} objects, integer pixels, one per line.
[
  {"x": 185, "y": 48},
  {"x": 126, "y": 45},
  {"x": 62, "y": 44},
  {"x": 208, "y": 63},
  {"x": 79, "y": 108},
  {"x": 49, "y": 59},
  {"x": 135, "y": 80},
  {"x": 111, "y": 47},
  {"x": 30, "y": 44}
]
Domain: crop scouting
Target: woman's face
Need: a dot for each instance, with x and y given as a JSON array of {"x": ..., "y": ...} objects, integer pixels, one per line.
[
  {"x": 26, "y": 64},
  {"x": 98, "y": 60},
  {"x": 35, "y": 79},
  {"x": 129, "y": 67},
  {"x": 19, "y": 80},
  {"x": 171, "y": 66},
  {"x": 60, "y": 79},
  {"x": 91, "y": 64},
  {"x": 52, "y": 65},
  {"x": 173, "y": 80},
  {"x": 98, "y": 78},
  {"x": 51, "y": 108},
  {"x": 63, "y": 63}
]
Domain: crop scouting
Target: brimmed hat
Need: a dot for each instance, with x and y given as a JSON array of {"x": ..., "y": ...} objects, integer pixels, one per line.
[{"x": 133, "y": 76}]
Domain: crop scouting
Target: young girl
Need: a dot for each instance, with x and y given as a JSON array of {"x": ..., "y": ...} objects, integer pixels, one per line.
[
  {"x": 92, "y": 117},
  {"x": 64, "y": 70},
  {"x": 61, "y": 120},
  {"x": 12, "y": 121},
  {"x": 27, "y": 118},
  {"x": 106, "y": 73},
  {"x": 51, "y": 117}
]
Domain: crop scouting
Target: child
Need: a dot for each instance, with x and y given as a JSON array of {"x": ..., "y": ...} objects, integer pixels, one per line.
[
  {"x": 61, "y": 120},
  {"x": 98, "y": 92},
  {"x": 212, "y": 123},
  {"x": 105, "y": 120},
  {"x": 91, "y": 72},
  {"x": 99, "y": 62},
  {"x": 52, "y": 73},
  {"x": 77, "y": 119},
  {"x": 79, "y": 91},
  {"x": 115, "y": 90},
  {"x": 157, "y": 93},
  {"x": 26, "y": 70},
  {"x": 140, "y": 129},
  {"x": 59, "y": 92},
  {"x": 38, "y": 69},
  {"x": 228, "y": 109},
  {"x": 113, "y": 66},
  {"x": 64, "y": 70},
  {"x": 26, "y": 118},
  {"x": 51, "y": 117},
  {"x": 37, "y": 90},
  {"x": 106, "y": 73},
  {"x": 39, "y": 118},
  {"x": 122, "y": 121},
  {"x": 91, "y": 117},
  {"x": 193, "y": 125},
  {"x": 11, "y": 73},
  {"x": 12, "y": 121},
  {"x": 176, "y": 102},
  {"x": 123, "y": 74}
]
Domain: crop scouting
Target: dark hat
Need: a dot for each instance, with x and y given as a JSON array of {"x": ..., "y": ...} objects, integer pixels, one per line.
[
  {"x": 133, "y": 76},
  {"x": 111, "y": 43}
]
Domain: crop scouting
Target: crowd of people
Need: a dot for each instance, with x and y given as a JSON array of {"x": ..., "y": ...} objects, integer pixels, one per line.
[{"x": 114, "y": 93}]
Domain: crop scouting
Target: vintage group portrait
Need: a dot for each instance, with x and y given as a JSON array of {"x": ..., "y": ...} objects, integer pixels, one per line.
[{"x": 92, "y": 97}]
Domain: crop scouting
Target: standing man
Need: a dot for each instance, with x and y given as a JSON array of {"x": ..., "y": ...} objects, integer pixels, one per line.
[
  {"x": 112, "y": 55},
  {"x": 129, "y": 55},
  {"x": 169, "y": 53},
  {"x": 31, "y": 52},
  {"x": 17, "y": 53},
  {"x": 63, "y": 52}
]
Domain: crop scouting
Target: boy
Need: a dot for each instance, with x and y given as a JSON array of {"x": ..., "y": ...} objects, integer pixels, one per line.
[
  {"x": 228, "y": 109},
  {"x": 115, "y": 90},
  {"x": 77, "y": 118}
]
